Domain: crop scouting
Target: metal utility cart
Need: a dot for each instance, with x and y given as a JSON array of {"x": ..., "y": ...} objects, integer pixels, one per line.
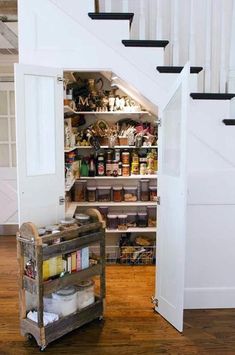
[{"x": 39, "y": 249}]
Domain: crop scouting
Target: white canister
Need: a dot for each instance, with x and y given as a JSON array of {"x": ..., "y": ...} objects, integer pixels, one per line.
[
  {"x": 85, "y": 294},
  {"x": 66, "y": 299}
]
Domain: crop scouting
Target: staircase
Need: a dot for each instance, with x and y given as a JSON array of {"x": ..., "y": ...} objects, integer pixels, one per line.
[{"x": 82, "y": 39}]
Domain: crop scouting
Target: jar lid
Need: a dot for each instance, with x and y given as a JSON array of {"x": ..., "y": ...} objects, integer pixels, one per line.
[
  {"x": 117, "y": 187},
  {"x": 104, "y": 187},
  {"x": 130, "y": 188},
  {"x": 91, "y": 188},
  {"x": 67, "y": 220},
  {"x": 85, "y": 284},
  {"x": 125, "y": 165},
  {"x": 122, "y": 216},
  {"x": 63, "y": 292},
  {"x": 112, "y": 216},
  {"x": 152, "y": 187},
  {"x": 126, "y": 153},
  {"x": 82, "y": 216}
]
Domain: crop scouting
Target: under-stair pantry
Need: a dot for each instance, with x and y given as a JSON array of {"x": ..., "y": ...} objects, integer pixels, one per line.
[{"x": 115, "y": 129}]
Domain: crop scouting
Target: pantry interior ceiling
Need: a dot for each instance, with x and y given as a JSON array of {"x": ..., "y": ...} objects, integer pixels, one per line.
[{"x": 8, "y": 27}]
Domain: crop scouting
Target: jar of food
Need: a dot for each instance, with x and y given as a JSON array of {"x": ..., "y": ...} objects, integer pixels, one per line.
[
  {"x": 153, "y": 193},
  {"x": 143, "y": 168},
  {"x": 152, "y": 216},
  {"x": 109, "y": 168},
  {"x": 66, "y": 299},
  {"x": 130, "y": 193},
  {"x": 85, "y": 294},
  {"x": 125, "y": 169},
  {"x": 117, "y": 193},
  {"x": 82, "y": 218},
  {"x": 100, "y": 165},
  {"x": 104, "y": 193},
  {"x": 144, "y": 190},
  {"x": 134, "y": 168},
  {"x": 131, "y": 219},
  {"x": 135, "y": 157},
  {"x": 112, "y": 221},
  {"x": 109, "y": 154},
  {"x": 125, "y": 157},
  {"x": 80, "y": 191},
  {"x": 122, "y": 221},
  {"x": 117, "y": 155},
  {"x": 115, "y": 168},
  {"x": 91, "y": 193},
  {"x": 142, "y": 219}
]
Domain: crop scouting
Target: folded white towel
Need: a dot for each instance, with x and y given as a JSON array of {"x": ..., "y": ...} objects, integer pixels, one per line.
[{"x": 47, "y": 317}]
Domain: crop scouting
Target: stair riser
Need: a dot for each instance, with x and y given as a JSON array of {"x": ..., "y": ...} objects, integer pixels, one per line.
[
  {"x": 111, "y": 30},
  {"x": 168, "y": 80},
  {"x": 144, "y": 58}
]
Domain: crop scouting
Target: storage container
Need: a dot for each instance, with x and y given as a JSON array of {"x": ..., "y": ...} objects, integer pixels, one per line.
[
  {"x": 91, "y": 193},
  {"x": 125, "y": 169},
  {"x": 117, "y": 193},
  {"x": 144, "y": 190},
  {"x": 122, "y": 221},
  {"x": 131, "y": 219},
  {"x": 85, "y": 294},
  {"x": 66, "y": 300},
  {"x": 80, "y": 191},
  {"x": 82, "y": 218},
  {"x": 104, "y": 193},
  {"x": 152, "y": 217},
  {"x": 112, "y": 221},
  {"x": 153, "y": 193},
  {"x": 130, "y": 194},
  {"x": 142, "y": 219}
]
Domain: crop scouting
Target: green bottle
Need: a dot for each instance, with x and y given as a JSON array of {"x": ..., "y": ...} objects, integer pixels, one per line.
[{"x": 84, "y": 169}]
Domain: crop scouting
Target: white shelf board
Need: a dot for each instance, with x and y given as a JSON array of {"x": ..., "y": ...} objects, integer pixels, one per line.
[
  {"x": 69, "y": 109},
  {"x": 70, "y": 149},
  {"x": 134, "y": 177},
  {"x": 69, "y": 186},
  {"x": 118, "y": 146},
  {"x": 132, "y": 230},
  {"x": 114, "y": 204}
]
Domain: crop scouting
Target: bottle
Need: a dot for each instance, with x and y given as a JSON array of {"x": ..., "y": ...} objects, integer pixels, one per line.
[
  {"x": 100, "y": 165},
  {"x": 92, "y": 166},
  {"x": 84, "y": 169}
]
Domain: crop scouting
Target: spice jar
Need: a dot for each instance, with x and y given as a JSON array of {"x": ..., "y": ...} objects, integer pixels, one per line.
[
  {"x": 153, "y": 193},
  {"x": 130, "y": 193},
  {"x": 122, "y": 221},
  {"x": 112, "y": 221},
  {"x": 152, "y": 218},
  {"x": 91, "y": 194},
  {"x": 125, "y": 169},
  {"x": 117, "y": 193},
  {"x": 142, "y": 219},
  {"x": 144, "y": 190},
  {"x": 125, "y": 157},
  {"x": 104, "y": 193},
  {"x": 131, "y": 219}
]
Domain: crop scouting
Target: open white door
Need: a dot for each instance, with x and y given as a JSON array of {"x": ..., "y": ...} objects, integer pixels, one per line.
[
  {"x": 39, "y": 144},
  {"x": 172, "y": 189}
]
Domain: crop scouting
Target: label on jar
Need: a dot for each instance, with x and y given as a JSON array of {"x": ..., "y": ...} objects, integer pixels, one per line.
[
  {"x": 100, "y": 169},
  {"x": 109, "y": 169}
]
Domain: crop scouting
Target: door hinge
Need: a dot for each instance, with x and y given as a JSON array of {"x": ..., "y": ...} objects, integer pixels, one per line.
[
  {"x": 154, "y": 301},
  {"x": 159, "y": 122},
  {"x": 61, "y": 200},
  {"x": 158, "y": 200},
  {"x": 60, "y": 79}
]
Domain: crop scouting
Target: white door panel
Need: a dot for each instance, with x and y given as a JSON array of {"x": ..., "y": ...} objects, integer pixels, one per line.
[
  {"x": 172, "y": 210},
  {"x": 40, "y": 143}
]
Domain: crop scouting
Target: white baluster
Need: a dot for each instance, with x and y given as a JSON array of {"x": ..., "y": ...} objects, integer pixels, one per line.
[
  {"x": 192, "y": 25},
  {"x": 207, "y": 79},
  {"x": 108, "y": 6},
  {"x": 231, "y": 71},
  {"x": 142, "y": 22},
  {"x": 175, "y": 32},
  {"x": 159, "y": 20},
  {"x": 125, "y": 6},
  {"x": 222, "y": 69}
]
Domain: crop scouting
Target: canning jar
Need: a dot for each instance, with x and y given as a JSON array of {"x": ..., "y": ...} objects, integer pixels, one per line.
[
  {"x": 125, "y": 169},
  {"x": 142, "y": 219},
  {"x": 130, "y": 193},
  {"x": 85, "y": 294},
  {"x": 104, "y": 193},
  {"x": 131, "y": 219},
  {"x": 153, "y": 193},
  {"x": 112, "y": 221},
  {"x": 122, "y": 221},
  {"x": 152, "y": 216},
  {"x": 91, "y": 193},
  {"x": 117, "y": 193},
  {"x": 144, "y": 190},
  {"x": 125, "y": 157}
]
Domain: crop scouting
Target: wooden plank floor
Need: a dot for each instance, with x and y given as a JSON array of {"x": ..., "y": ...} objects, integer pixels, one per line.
[{"x": 130, "y": 326}]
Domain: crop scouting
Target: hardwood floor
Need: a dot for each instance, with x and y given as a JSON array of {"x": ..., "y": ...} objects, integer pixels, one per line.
[{"x": 130, "y": 326}]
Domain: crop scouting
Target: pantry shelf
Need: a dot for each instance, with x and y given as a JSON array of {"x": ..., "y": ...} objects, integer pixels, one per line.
[
  {"x": 70, "y": 149},
  {"x": 68, "y": 109},
  {"x": 134, "y": 177},
  {"x": 112, "y": 204},
  {"x": 118, "y": 147},
  {"x": 132, "y": 230}
]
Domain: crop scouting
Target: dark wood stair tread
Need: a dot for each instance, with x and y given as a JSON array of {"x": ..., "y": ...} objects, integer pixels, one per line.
[
  {"x": 111, "y": 16},
  {"x": 144, "y": 43},
  {"x": 229, "y": 122},
  {"x": 177, "y": 69},
  {"x": 211, "y": 96}
]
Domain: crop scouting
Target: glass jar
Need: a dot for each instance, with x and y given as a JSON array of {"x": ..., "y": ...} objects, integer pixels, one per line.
[
  {"x": 104, "y": 193},
  {"x": 134, "y": 168},
  {"x": 80, "y": 191},
  {"x": 91, "y": 193},
  {"x": 125, "y": 169},
  {"x": 109, "y": 168},
  {"x": 109, "y": 154},
  {"x": 117, "y": 193},
  {"x": 143, "y": 168},
  {"x": 153, "y": 193},
  {"x": 112, "y": 221},
  {"x": 144, "y": 190},
  {"x": 122, "y": 221},
  {"x": 130, "y": 193},
  {"x": 131, "y": 219},
  {"x": 82, "y": 218},
  {"x": 85, "y": 294},
  {"x": 115, "y": 168},
  {"x": 142, "y": 219},
  {"x": 125, "y": 157},
  {"x": 100, "y": 165},
  {"x": 152, "y": 216}
]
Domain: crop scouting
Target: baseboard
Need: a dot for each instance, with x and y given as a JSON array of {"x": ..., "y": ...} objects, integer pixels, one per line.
[
  {"x": 8, "y": 229},
  {"x": 215, "y": 297}
]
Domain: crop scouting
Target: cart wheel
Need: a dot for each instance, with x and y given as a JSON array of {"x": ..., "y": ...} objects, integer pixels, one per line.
[
  {"x": 29, "y": 337},
  {"x": 43, "y": 348},
  {"x": 101, "y": 318}
]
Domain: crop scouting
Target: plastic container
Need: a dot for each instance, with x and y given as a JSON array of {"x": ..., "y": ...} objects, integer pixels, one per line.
[
  {"x": 80, "y": 191},
  {"x": 117, "y": 193},
  {"x": 125, "y": 169},
  {"x": 152, "y": 217},
  {"x": 122, "y": 221},
  {"x": 91, "y": 194},
  {"x": 153, "y": 193},
  {"x": 66, "y": 300},
  {"x": 142, "y": 219},
  {"x": 85, "y": 294},
  {"x": 104, "y": 193},
  {"x": 131, "y": 219},
  {"x": 112, "y": 221},
  {"x": 82, "y": 218},
  {"x": 144, "y": 190},
  {"x": 130, "y": 194}
]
